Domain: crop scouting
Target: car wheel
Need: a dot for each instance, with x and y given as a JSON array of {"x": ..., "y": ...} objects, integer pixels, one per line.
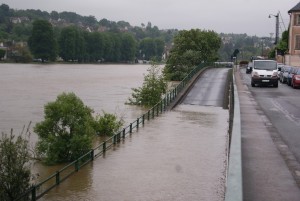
[
  {"x": 276, "y": 85},
  {"x": 252, "y": 84}
]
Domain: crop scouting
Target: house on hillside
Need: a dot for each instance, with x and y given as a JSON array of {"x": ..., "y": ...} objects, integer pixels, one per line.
[{"x": 293, "y": 57}]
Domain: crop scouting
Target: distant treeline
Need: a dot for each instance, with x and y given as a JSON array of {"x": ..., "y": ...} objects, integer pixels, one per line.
[
  {"x": 81, "y": 38},
  {"x": 107, "y": 40}
]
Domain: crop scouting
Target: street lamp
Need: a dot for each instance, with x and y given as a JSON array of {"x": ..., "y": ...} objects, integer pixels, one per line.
[{"x": 277, "y": 27}]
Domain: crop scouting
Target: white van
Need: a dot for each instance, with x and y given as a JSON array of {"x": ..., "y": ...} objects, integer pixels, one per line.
[{"x": 264, "y": 72}]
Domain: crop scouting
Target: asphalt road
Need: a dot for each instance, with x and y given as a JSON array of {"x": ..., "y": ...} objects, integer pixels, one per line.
[
  {"x": 282, "y": 107},
  {"x": 209, "y": 89}
]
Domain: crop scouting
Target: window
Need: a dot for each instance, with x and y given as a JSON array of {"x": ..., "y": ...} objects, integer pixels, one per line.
[
  {"x": 297, "y": 20},
  {"x": 297, "y": 42}
]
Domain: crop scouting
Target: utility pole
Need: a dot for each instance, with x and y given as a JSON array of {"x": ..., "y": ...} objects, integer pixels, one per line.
[{"x": 276, "y": 28}]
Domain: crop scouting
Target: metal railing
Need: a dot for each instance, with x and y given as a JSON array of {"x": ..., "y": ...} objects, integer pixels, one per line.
[{"x": 39, "y": 190}]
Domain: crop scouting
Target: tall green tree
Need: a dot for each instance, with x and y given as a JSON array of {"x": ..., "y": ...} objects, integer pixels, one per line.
[
  {"x": 128, "y": 47},
  {"x": 95, "y": 46},
  {"x": 66, "y": 132},
  {"x": 148, "y": 48},
  {"x": 42, "y": 42},
  {"x": 71, "y": 43},
  {"x": 190, "y": 49},
  {"x": 14, "y": 166}
]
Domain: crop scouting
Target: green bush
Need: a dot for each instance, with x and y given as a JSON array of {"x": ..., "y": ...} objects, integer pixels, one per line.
[
  {"x": 14, "y": 166},
  {"x": 154, "y": 86},
  {"x": 107, "y": 124}
]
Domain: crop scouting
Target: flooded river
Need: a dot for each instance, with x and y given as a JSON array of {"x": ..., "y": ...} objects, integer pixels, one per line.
[
  {"x": 181, "y": 155},
  {"x": 26, "y": 88}
]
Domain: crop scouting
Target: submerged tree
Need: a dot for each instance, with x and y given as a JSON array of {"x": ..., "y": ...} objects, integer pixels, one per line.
[
  {"x": 107, "y": 124},
  {"x": 154, "y": 86},
  {"x": 14, "y": 166},
  {"x": 67, "y": 131}
]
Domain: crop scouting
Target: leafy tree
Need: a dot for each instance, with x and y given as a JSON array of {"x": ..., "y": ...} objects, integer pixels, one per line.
[
  {"x": 107, "y": 124},
  {"x": 116, "y": 47},
  {"x": 104, "y": 22},
  {"x": 42, "y": 42},
  {"x": 128, "y": 47},
  {"x": 148, "y": 48},
  {"x": 54, "y": 15},
  {"x": 14, "y": 166},
  {"x": 282, "y": 46},
  {"x": 95, "y": 46},
  {"x": 160, "y": 47},
  {"x": 190, "y": 49},
  {"x": 154, "y": 86},
  {"x": 71, "y": 43},
  {"x": 66, "y": 132}
]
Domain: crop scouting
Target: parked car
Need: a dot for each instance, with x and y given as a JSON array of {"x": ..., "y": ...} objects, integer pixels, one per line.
[
  {"x": 296, "y": 79},
  {"x": 283, "y": 74},
  {"x": 291, "y": 73},
  {"x": 249, "y": 68},
  {"x": 279, "y": 67}
]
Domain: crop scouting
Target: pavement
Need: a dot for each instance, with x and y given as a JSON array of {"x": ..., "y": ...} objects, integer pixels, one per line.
[{"x": 266, "y": 177}]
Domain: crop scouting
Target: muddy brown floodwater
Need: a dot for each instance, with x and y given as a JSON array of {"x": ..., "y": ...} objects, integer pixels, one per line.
[{"x": 180, "y": 155}]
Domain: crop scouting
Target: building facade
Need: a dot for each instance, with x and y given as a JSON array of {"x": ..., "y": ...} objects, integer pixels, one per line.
[{"x": 293, "y": 56}]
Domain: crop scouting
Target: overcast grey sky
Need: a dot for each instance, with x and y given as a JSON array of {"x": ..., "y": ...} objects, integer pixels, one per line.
[{"x": 227, "y": 16}]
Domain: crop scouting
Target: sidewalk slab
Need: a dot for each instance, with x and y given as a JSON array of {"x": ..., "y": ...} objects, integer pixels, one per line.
[{"x": 266, "y": 176}]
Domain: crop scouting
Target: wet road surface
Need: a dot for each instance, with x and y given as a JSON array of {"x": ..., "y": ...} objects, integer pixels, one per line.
[
  {"x": 181, "y": 155},
  {"x": 209, "y": 90}
]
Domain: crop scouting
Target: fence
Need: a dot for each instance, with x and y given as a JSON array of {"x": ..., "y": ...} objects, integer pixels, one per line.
[{"x": 39, "y": 190}]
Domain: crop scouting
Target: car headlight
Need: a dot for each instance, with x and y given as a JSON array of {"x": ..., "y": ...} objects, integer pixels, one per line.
[
  {"x": 255, "y": 74},
  {"x": 275, "y": 74}
]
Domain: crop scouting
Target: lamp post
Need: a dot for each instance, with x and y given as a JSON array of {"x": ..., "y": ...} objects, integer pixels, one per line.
[{"x": 276, "y": 28}]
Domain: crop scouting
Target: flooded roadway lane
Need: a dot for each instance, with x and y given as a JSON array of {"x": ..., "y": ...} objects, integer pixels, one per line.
[{"x": 181, "y": 155}]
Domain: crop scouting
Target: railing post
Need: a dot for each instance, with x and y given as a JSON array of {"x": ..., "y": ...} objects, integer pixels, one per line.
[
  {"x": 33, "y": 193},
  {"x": 153, "y": 113},
  {"x": 143, "y": 119},
  {"x": 137, "y": 123},
  {"x": 130, "y": 128},
  {"x": 148, "y": 115},
  {"x": 57, "y": 179},
  {"x": 161, "y": 106},
  {"x": 119, "y": 137},
  {"x": 124, "y": 133},
  {"x": 104, "y": 147},
  {"x": 92, "y": 154},
  {"x": 76, "y": 165},
  {"x": 115, "y": 139}
]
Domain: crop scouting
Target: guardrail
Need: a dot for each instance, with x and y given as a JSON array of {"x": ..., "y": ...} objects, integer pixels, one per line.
[
  {"x": 234, "y": 188},
  {"x": 39, "y": 190}
]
